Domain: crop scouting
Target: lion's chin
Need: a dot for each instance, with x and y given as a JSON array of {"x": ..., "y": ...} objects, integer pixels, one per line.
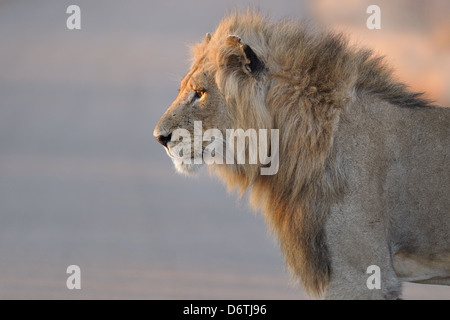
[{"x": 186, "y": 168}]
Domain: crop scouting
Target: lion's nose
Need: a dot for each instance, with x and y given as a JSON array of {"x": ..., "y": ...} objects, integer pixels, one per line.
[{"x": 164, "y": 140}]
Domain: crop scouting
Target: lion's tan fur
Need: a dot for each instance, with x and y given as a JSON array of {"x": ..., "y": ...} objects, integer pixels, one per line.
[{"x": 310, "y": 78}]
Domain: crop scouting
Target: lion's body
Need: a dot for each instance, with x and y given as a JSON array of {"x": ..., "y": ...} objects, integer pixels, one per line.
[
  {"x": 395, "y": 211},
  {"x": 363, "y": 164}
]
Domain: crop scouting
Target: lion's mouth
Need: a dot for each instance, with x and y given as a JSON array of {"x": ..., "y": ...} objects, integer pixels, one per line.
[
  {"x": 170, "y": 154},
  {"x": 189, "y": 158}
]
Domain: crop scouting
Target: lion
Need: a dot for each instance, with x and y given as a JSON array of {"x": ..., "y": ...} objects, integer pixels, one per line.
[{"x": 364, "y": 176}]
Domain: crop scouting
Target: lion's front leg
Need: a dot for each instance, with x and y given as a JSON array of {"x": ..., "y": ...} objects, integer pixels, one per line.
[{"x": 361, "y": 265}]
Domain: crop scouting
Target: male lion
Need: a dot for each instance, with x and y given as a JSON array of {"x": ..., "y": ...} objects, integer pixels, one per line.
[{"x": 363, "y": 174}]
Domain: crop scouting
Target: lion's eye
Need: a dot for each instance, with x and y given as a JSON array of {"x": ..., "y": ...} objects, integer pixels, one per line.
[{"x": 199, "y": 93}]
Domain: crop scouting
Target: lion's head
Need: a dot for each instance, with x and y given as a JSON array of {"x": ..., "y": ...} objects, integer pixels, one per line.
[{"x": 224, "y": 89}]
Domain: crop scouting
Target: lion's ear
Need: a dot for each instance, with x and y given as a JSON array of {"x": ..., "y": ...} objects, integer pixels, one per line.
[
  {"x": 207, "y": 37},
  {"x": 237, "y": 54}
]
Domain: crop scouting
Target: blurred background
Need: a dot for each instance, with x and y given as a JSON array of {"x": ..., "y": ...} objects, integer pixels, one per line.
[{"x": 82, "y": 180}]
